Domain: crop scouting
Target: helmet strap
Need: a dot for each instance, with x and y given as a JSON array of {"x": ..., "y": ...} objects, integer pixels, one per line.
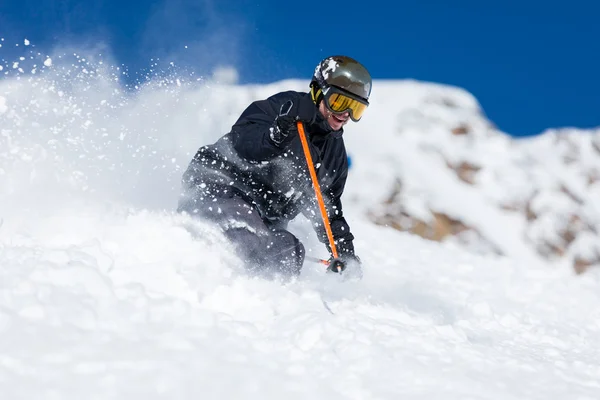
[{"x": 315, "y": 92}]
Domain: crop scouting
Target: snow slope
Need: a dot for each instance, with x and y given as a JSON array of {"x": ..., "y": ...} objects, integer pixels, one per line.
[{"x": 106, "y": 293}]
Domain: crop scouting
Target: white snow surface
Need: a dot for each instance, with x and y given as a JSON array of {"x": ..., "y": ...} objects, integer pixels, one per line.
[{"x": 106, "y": 293}]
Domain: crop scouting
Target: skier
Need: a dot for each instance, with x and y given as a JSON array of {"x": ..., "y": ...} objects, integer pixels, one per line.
[{"x": 254, "y": 180}]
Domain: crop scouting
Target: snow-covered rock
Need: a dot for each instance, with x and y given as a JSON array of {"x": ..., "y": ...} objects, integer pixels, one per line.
[{"x": 452, "y": 176}]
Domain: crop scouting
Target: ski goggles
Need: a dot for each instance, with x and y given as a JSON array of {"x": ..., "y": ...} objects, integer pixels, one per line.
[{"x": 338, "y": 101}]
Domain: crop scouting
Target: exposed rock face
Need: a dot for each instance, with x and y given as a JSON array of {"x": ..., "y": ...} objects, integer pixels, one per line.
[{"x": 438, "y": 227}]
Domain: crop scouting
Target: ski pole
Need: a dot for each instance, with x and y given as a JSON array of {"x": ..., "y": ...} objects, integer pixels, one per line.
[
  {"x": 315, "y": 182},
  {"x": 317, "y": 260}
]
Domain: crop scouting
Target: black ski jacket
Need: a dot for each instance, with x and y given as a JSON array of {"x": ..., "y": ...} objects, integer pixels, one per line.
[{"x": 246, "y": 162}]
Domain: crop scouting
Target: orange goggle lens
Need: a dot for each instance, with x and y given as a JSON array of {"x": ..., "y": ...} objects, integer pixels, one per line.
[{"x": 339, "y": 103}]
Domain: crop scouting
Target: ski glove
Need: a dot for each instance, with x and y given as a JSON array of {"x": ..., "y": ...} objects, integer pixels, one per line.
[
  {"x": 284, "y": 128},
  {"x": 339, "y": 264},
  {"x": 336, "y": 265}
]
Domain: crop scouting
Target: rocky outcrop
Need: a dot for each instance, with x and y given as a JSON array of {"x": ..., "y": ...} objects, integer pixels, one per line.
[{"x": 551, "y": 183}]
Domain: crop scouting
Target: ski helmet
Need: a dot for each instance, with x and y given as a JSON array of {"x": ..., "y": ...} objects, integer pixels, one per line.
[{"x": 343, "y": 73}]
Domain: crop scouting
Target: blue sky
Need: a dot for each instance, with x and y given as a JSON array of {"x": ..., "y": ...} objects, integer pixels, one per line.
[{"x": 531, "y": 64}]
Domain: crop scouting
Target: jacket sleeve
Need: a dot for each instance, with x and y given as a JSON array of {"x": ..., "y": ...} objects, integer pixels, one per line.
[{"x": 251, "y": 134}]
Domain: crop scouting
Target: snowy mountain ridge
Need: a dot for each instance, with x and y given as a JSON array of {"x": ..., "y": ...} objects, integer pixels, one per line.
[{"x": 460, "y": 179}]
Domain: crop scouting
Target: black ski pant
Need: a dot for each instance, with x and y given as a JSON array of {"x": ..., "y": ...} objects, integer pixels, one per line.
[{"x": 264, "y": 247}]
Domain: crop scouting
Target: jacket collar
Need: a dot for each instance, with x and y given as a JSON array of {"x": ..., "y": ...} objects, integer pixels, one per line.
[{"x": 320, "y": 127}]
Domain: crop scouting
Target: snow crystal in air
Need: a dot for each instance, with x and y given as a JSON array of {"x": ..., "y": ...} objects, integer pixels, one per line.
[
  {"x": 48, "y": 62},
  {"x": 226, "y": 74}
]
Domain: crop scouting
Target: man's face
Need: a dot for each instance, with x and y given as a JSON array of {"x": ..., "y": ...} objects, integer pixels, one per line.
[{"x": 335, "y": 121}]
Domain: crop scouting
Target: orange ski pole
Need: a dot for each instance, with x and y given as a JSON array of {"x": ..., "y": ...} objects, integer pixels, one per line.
[
  {"x": 315, "y": 182},
  {"x": 318, "y": 260}
]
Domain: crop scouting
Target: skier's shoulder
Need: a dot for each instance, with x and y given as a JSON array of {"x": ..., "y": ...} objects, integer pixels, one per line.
[
  {"x": 271, "y": 104},
  {"x": 283, "y": 96}
]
